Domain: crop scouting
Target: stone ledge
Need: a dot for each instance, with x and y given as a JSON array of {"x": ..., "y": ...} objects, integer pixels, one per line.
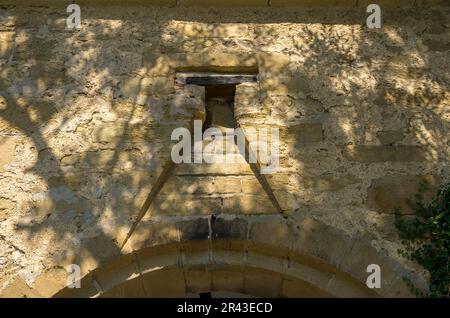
[
  {"x": 236, "y": 3},
  {"x": 226, "y": 271}
]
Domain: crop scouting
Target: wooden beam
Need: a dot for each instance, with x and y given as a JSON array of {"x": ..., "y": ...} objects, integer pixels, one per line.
[{"x": 204, "y": 79}]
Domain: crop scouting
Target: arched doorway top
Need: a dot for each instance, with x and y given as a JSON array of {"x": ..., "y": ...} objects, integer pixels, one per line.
[{"x": 273, "y": 257}]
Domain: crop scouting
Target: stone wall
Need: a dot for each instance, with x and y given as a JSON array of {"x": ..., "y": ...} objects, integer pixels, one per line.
[{"x": 86, "y": 118}]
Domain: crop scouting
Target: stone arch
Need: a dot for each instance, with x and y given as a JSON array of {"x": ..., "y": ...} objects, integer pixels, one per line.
[{"x": 271, "y": 258}]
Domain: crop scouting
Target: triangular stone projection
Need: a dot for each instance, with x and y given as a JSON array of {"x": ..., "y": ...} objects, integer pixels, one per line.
[{"x": 204, "y": 188}]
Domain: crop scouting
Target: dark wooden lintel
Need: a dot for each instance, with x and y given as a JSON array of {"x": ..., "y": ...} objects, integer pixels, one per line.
[{"x": 204, "y": 79}]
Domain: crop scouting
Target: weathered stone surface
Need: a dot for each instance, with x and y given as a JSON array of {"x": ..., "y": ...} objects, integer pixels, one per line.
[
  {"x": 400, "y": 289},
  {"x": 115, "y": 273},
  {"x": 248, "y": 204},
  {"x": 246, "y": 92},
  {"x": 204, "y": 30},
  {"x": 85, "y": 124},
  {"x": 155, "y": 233},
  {"x": 230, "y": 3},
  {"x": 97, "y": 250},
  {"x": 229, "y": 229},
  {"x": 105, "y": 159},
  {"x": 171, "y": 279},
  {"x": 189, "y": 103},
  {"x": 158, "y": 65},
  {"x": 250, "y": 3},
  {"x": 197, "y": 229},
  {"x": 308, "y": 272},
  {"x": 113, "y": 133},
  {"x": 248, "y": 101},
  {"x": 8, "y": 149},
  {"x": 287, "y": 201},
  {"x": 388, "y": 193},
  {"x": 223, "y": 280},
  {"x": 197, "y": 281},
  {"x": 174, "y": 204},
  {"x": 279, "y": 230},
  {"x": 300, "y": 289},
  {"x": 160, "y": 256},
  {"x": 343, "y": 285},
  {"x": 49, "y": 75},
  {"x": 170, "y": 3},
  {"x": 39, "y": 49},
  {"x": 201, "y": 185},
  {"x": 282, "y": 85},
  {"x": 6, "y": 207},
  {"x": 6, "y": 40},
  {"x": 128, "y": 289},
  {"x": 328, "y": 182},
  {"x": 439, "y": 46},
  {"x": 24, "y": 115},
  {"x": 400, "y": 3},
  {"x": 139, "y": 89},
  {"x": 52, "y": 281},
  {"x": 251, "y": 185},
  {"x": 316, "y": 239},
  {"x": 214, "y": 169},
  {"x": 384, "y": 153},
  {"x": 19, "y": 289},
  {"x": 222, "y": 115},
  {"x": 90, "y": 289},
  {"x": 361, "y": 255},
  {"x": 390, "y": 137},
  {"x": 311, "y": 3},
  {"x": 304, "y": 133},
  {"x": 273, "y": 63},
  {"x": 262, "y": 283}
]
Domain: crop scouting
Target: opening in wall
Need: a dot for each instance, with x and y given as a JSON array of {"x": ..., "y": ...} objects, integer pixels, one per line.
[{"x": 220, "y": 89}]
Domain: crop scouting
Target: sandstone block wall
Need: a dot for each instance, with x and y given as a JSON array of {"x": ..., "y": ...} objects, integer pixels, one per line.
[{"x": 86, "y": 118}]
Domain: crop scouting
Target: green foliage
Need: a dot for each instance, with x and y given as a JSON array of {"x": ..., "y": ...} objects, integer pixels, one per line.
[{"x": 426, "y": 239}]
